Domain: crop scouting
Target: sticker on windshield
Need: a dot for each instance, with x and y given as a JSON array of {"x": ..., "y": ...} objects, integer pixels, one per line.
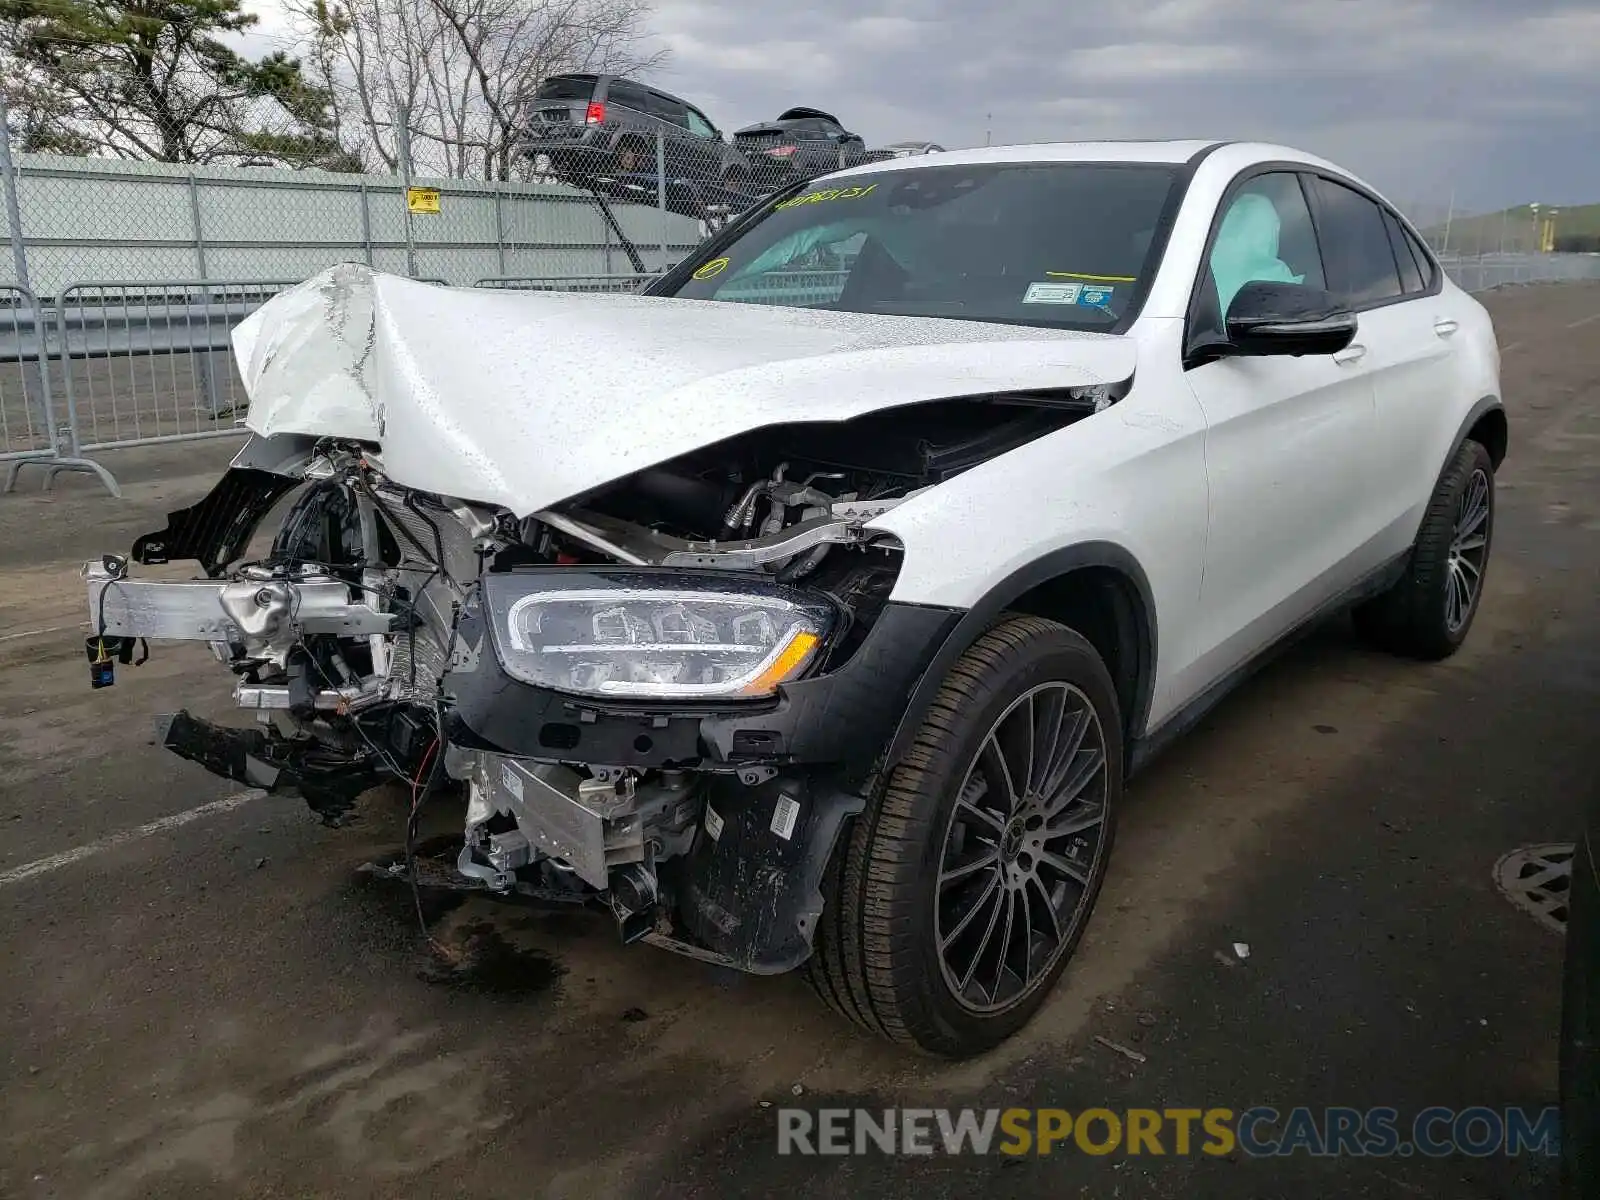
[
  {"x": 1086, "y": 295},
  {"x": 712, "y": 269},
  {"x": 849, "y": 193},
  {"x": 1052, "y": 293}
]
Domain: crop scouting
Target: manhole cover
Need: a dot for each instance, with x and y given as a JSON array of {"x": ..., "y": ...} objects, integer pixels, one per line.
[{"x": 1537, "y": 880}]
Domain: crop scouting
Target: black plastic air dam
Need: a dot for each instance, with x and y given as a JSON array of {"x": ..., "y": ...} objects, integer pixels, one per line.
[
  {"x": 328, "y": 784},
  {"x": 216, "y": 529},
  {"x": 753, "y": 881},
  {"x": 844, "y": 717}
]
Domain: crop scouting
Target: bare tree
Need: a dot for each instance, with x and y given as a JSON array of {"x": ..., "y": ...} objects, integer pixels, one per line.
[{"x": 461, "y": 71}]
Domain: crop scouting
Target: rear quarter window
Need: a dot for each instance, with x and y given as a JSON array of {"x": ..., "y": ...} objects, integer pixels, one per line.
[
  {"x": 1411, "y": 277},
  {"x": 628, "y": 95}
]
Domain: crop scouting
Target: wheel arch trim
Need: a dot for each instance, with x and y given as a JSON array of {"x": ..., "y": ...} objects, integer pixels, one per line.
[
  {"x": 983, "y": 615},
  {"x": 1485, "y": 406}
]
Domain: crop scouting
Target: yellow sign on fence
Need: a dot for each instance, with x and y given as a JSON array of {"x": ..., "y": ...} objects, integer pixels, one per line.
[{"x": 422, "y": 200}]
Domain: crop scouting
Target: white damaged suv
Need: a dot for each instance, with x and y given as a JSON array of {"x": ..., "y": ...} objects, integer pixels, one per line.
[{"x": 810, "y": 610}]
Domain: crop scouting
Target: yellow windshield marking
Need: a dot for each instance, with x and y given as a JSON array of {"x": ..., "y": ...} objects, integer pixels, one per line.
[{"x": 1094, "y": 278}]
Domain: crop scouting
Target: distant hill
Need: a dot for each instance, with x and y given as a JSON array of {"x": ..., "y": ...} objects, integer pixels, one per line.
[{"x": 1576, "y": 228}]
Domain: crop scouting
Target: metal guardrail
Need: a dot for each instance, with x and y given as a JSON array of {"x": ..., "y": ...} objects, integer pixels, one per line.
[
  {"x": 140, "y": 362},
  {"x": 27, "y": 419}
]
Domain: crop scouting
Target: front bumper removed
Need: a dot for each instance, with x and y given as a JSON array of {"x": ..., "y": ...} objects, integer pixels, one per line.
[
  {"x": 747, "y": 891},
  {"x": 258, "y": 622},
  {"x": 260, "y": 611}
]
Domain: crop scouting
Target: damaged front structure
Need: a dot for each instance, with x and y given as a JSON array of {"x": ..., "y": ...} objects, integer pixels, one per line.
[{"x": 650, "y": 639}]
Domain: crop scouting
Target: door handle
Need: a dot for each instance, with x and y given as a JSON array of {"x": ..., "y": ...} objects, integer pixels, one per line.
[
  {"x": 1444, "y": 326},
  {"x": 1350, "y": 354}
]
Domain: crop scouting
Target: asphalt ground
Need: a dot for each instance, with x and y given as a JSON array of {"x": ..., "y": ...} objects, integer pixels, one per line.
[{"x": 202, "y": 997}]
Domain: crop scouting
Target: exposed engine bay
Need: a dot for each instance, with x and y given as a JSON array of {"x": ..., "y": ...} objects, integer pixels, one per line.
[{"x": 586, "y": 675}]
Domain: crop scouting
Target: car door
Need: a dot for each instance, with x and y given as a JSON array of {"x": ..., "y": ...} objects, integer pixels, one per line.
[
  {"x": 1288, "y": 439},
  {"x": 1415, "y": 383},
  {"x": 1405, "y": 357}
]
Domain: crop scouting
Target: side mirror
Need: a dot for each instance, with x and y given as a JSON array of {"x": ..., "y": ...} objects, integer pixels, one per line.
[{"x": 1287, "y": 318}]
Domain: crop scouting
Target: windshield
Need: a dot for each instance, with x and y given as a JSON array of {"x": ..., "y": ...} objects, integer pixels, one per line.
[{"x": 1061, "y": 244}]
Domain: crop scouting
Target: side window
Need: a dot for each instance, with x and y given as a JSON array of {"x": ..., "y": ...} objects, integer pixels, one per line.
[
  {"x": 1355, "y": 245},
  {"x": 674, "y": 112},
  {"x": 628, "y": 95},
  {"x": 1265, "y": 234},
  {"x": 698, "y": 125},
  {"x": 1410, "y": 273}
]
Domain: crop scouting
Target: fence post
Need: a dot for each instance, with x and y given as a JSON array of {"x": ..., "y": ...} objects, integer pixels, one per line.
[
  {"x": 366, "y": 222},
  {"x": 205, "y": 359},
  {"x": 19, "y": 260},
  {"x": 194, "y": 217},
  {"x": 661, "y": 189},
  {"x": 8, "y": 177},
  {"x": 499, "y": 226}
]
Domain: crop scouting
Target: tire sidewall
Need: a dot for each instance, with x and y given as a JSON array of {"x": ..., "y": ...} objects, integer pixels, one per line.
[
  {"x": 1472, "y": 457},
  {"x": 1066, "y": 659}
]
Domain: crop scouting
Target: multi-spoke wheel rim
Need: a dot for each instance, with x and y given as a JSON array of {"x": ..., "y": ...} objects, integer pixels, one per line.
[
  {"x": 1022, "y": 845},
  {"x": 1469, "y": 548}
]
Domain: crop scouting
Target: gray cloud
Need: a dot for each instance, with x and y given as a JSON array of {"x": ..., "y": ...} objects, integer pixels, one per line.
[{"x": 1494, "y": 100}]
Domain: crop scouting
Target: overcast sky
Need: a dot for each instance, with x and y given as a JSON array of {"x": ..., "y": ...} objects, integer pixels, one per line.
[{"x": 1498, "y": 100}]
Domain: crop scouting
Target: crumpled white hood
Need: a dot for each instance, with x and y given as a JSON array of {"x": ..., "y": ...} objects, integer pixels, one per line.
[{"x": 525, "y": 399}]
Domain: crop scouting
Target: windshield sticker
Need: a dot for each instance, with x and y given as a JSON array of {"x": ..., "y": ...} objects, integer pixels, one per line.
[
  {"x": 712, "y": 269},
  {"x": 849, "y": 193},
  {"x": 1092, "y": 278},
  {"x": 1052, "y": 293},
  {"x": 1085, "y": 295}
]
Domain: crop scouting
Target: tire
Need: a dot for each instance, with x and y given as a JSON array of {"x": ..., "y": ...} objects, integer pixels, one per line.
[
  {"x": 886, "y": 911},
  {"x": 630, "y": 153},
  {"x": 1422, "y": 615}
]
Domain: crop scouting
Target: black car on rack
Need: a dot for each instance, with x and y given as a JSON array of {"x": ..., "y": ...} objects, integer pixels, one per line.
[
  {"x": 590, "y": 130},
  {"x": 801, "y": 143}
]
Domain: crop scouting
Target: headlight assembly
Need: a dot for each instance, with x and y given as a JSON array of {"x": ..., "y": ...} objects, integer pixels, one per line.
[{"x": 654, "y": 637}]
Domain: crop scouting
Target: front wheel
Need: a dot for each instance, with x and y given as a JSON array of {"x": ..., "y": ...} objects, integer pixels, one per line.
[{"x": 966, "y": 884}]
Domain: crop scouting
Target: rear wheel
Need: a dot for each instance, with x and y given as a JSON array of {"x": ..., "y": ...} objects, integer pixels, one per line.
[
  {"x": 1429, "y": 611},
  {"x": 964, "y": 887}
]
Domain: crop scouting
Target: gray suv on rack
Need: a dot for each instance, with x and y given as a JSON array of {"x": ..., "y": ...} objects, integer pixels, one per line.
[{"x": 587, "y": 128}]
